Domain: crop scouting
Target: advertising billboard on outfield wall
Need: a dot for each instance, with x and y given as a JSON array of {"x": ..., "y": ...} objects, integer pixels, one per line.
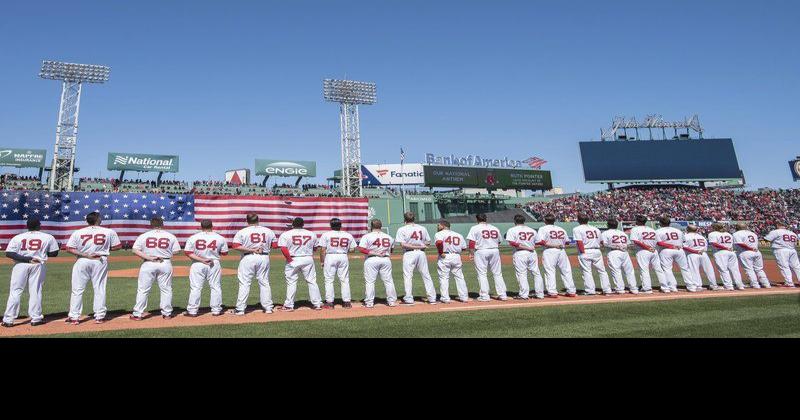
[
  {"x": 392, "y": 174},
  {"x": 142, "y": 162},
  {"x": 274, "y": 167},
  {"x": 490, "y": 178},
  {"x": 237, "y": 176},
  {"x": 795, "y": 167},
  {"x": 23, "y": 158}
]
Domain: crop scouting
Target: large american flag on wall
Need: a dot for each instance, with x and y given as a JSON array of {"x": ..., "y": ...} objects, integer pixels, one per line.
[{"x": 129, "y": 214}]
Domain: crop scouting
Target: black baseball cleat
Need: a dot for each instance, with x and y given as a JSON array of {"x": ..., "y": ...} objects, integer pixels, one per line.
[
  {"x": 347, "y": 305},
  {"x": 236, "y": 312},
  {"x": 7, "y": 324},
  {"x": 327, "y": 306},
  {"x": 135, "y": 318},
  {"x": 170, "y": 316},
  {"x": 37, "y": 323},
  {"x": 190, "y": 315}
]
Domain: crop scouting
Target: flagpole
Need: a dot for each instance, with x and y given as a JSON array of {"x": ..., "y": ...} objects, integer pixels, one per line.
[{"x": 402, "y": 179}]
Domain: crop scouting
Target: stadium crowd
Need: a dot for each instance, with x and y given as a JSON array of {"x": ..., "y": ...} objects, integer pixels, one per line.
[{"x": 762, "y": 208}]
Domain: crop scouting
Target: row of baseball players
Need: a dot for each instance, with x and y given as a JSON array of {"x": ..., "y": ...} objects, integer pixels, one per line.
[{"x": 656, "y": 249}]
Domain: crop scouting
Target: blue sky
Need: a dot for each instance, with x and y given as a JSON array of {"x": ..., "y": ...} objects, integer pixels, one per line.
[{"x": 221, "y": 83}]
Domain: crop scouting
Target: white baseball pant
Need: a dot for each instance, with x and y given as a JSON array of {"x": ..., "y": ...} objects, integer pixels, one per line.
[
  {"x": 451, "y": 264},
  {"x": 304, "y": 266},
  {"x": 489, "y": 259},
  {"x": 787, "y": 262},
  {"x": 669, "y": 256},
  {"x": 160, "y": 272},
  {"x": 728, "y": 266},
  {"x": 527, "y": 261},
  {"x": 374, "y": 266},
  {"x": 32, "y": 276},
  {"x": 619, "y": 263},
  {"x": 199, "y": 274},
  {"x": 336, "y": 265},
  {"x": 553, "y": 258},
  {"x": 254, "y": 266},
  {"x": 84, "y": 271},
  {"x": 647, "y": 259},
  {"x": 593, "y": 258},
  {"x": 753, "y": 264},
  {"x": 698, "y": 261},
  {"x": 416, "y": 260}
]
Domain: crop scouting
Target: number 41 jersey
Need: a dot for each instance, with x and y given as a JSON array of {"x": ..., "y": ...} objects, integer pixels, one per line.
[
  {"x": 157, "y": 243},
  {"x": 93, "y": 240}
]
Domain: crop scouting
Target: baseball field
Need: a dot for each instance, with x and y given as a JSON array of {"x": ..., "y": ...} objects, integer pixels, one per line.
[{"x": 750, "y": 313}]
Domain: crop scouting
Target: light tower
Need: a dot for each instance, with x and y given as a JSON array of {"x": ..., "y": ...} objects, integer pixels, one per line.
[
  {"x": 72, "y": 77},
  {"x": 349, "y": 94}
]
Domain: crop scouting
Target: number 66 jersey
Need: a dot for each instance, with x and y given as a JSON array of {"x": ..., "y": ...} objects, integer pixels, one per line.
[{"x": 157, "y": 243}]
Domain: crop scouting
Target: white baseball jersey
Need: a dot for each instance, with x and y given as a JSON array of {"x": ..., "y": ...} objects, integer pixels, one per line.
[
  {"x": 485, "y": 236},
  {"x": 300, "y": 242},
  {"x": 452, "y": 242},
  {"x": 695, "y": 242},
  {"x": 721, "y": 238},
  {"x": 589, "y": 235},
  {"x": 670, "y": 235},
  {"x": 256, "y": 237},
  {"x": 378, "y": 242},
  {"x": 93, "y": 240},
  {"x": 34, "y": 244},
  {"x": 615, "y": 239},
  {"x": 412, "y": 234},
  {"x": 337, "y": 242},
  {"x": 522, "y": 235},
  {"x": 552, "y": 235},
  {"x": 745, "y": 237},
  {"x": 782, "y": 239},
  {"x": 645, "y": 235},
  {"x": 208, "y": 245},
  {"x": 157, "y": 243}
]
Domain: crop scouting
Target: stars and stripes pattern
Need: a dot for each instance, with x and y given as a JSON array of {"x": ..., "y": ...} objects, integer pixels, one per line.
[
  {"x": 535, "y": 162},
  {"x": 129, "y": 214}
]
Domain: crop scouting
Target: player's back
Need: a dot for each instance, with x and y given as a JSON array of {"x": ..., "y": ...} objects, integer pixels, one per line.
[
  {"x": 782, "y": 239},
  {"x": 589, "y": 235},
  {"x": 337, "y": 242},
  {"x": 485, "y": 236},
  {"x": 695, "y": 241},
  {"x": 157, "y": 243},
  {"x": 671, "y": 236},
  {"x": 746, "y": 237},
  {"x": 452, "y": 242},
  {"x": 645, "y": 235},
  {"x": 721, "y": 238},
  {"x": 412, "y": 234},
  {"x": 615, "y": 239},
  {"x": 209, "y": 245},
  {"x": 552, "y": 235},
  {"x": 34, "y": 244},
  {"x": 523, "y": 235},
  {"x": 300, "y": 242},
  {"x": 93, "y": 240},
  {"x": 377, "y": 241},
  {"x": 256, "y": 237}
]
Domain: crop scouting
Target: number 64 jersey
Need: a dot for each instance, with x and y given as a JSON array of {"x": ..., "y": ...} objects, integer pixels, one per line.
[
  {"x": 157, "y": 243},
  {"x": 207, "y": 245}
]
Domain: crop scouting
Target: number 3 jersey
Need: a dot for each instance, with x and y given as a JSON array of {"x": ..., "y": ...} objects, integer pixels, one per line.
[
  {"x": 256, "y": 237},
  {"x": 300, "y": 242},
  {"x": 95, "y": 240},
  {"x": 208, "y": 245},
  {"x": 337, "y": 242},
  {"x": 157, "y": 243},
  {"x": 33, "y": 244}
]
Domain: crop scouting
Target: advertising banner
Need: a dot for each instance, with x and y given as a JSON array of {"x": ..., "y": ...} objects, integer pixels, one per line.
[
  {"x": 142, "y": 162},
  {"x": 392, "y": 174},
  {"x": 273, "y": 167},
  {"x": 23, "y": 158},
  {"x": 502, "y": 179},
  {"x": 795, "y": 167}
]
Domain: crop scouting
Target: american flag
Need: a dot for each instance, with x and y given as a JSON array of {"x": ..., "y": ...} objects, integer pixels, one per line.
[
  {"x": 129, "y": 214},
  {"x": 535, "y": 162}
]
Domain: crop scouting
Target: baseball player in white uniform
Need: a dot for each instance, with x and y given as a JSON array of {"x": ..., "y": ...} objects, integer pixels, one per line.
[
  {"x": 587, "y": 239},
  {"x": 644, "y": 237},
  {"x": 450, "y": 245},
  {"x": 91, "y": 245},
  {"x": 414, "y": 238},
  {"x": 523, "y": 239},
  {"x": 727, "y": 263},
  {"x": 670, "y": 243},
  {"x": 746, "y": 244},
  {"x": 297, "y": 246},
  {"x": 619, "y": 261},
  {"x": 377, "y": 246},
  {"x": 29, "y": 251},
  {"x": 334, "y": 245},
  {"x": 205, "y": 248},
  {"x": 484, "y": 242},
  {"x": 696, "y": 247},
  {"x": 254, "y": 242},
  {"x": 784, "y": 247},
  {"x": 555, "y": 239},
  {"x": 156, "y": 248}
]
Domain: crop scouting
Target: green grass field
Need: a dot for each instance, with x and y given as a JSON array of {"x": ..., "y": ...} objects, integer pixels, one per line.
[{"x": 745, "y": 316}]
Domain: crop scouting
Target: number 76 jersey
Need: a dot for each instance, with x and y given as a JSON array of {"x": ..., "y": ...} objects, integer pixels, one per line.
[
  {"x": 95, "y": 240},
  {"x": 157, "y": 243}
]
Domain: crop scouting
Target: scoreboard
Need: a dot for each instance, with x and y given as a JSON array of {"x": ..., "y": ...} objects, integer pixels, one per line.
[{"x": 490, "y": 178}]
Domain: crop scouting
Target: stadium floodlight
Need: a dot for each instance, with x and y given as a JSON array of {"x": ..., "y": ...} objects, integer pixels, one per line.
[
  {"x": 72, "y": 77},
  {"x": 350, "y": 94}
]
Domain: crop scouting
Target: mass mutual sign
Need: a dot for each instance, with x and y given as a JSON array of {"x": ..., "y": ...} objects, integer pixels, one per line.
[
  {"x": 272, "y": 167},
  {"x": 142, "y": 162}
]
